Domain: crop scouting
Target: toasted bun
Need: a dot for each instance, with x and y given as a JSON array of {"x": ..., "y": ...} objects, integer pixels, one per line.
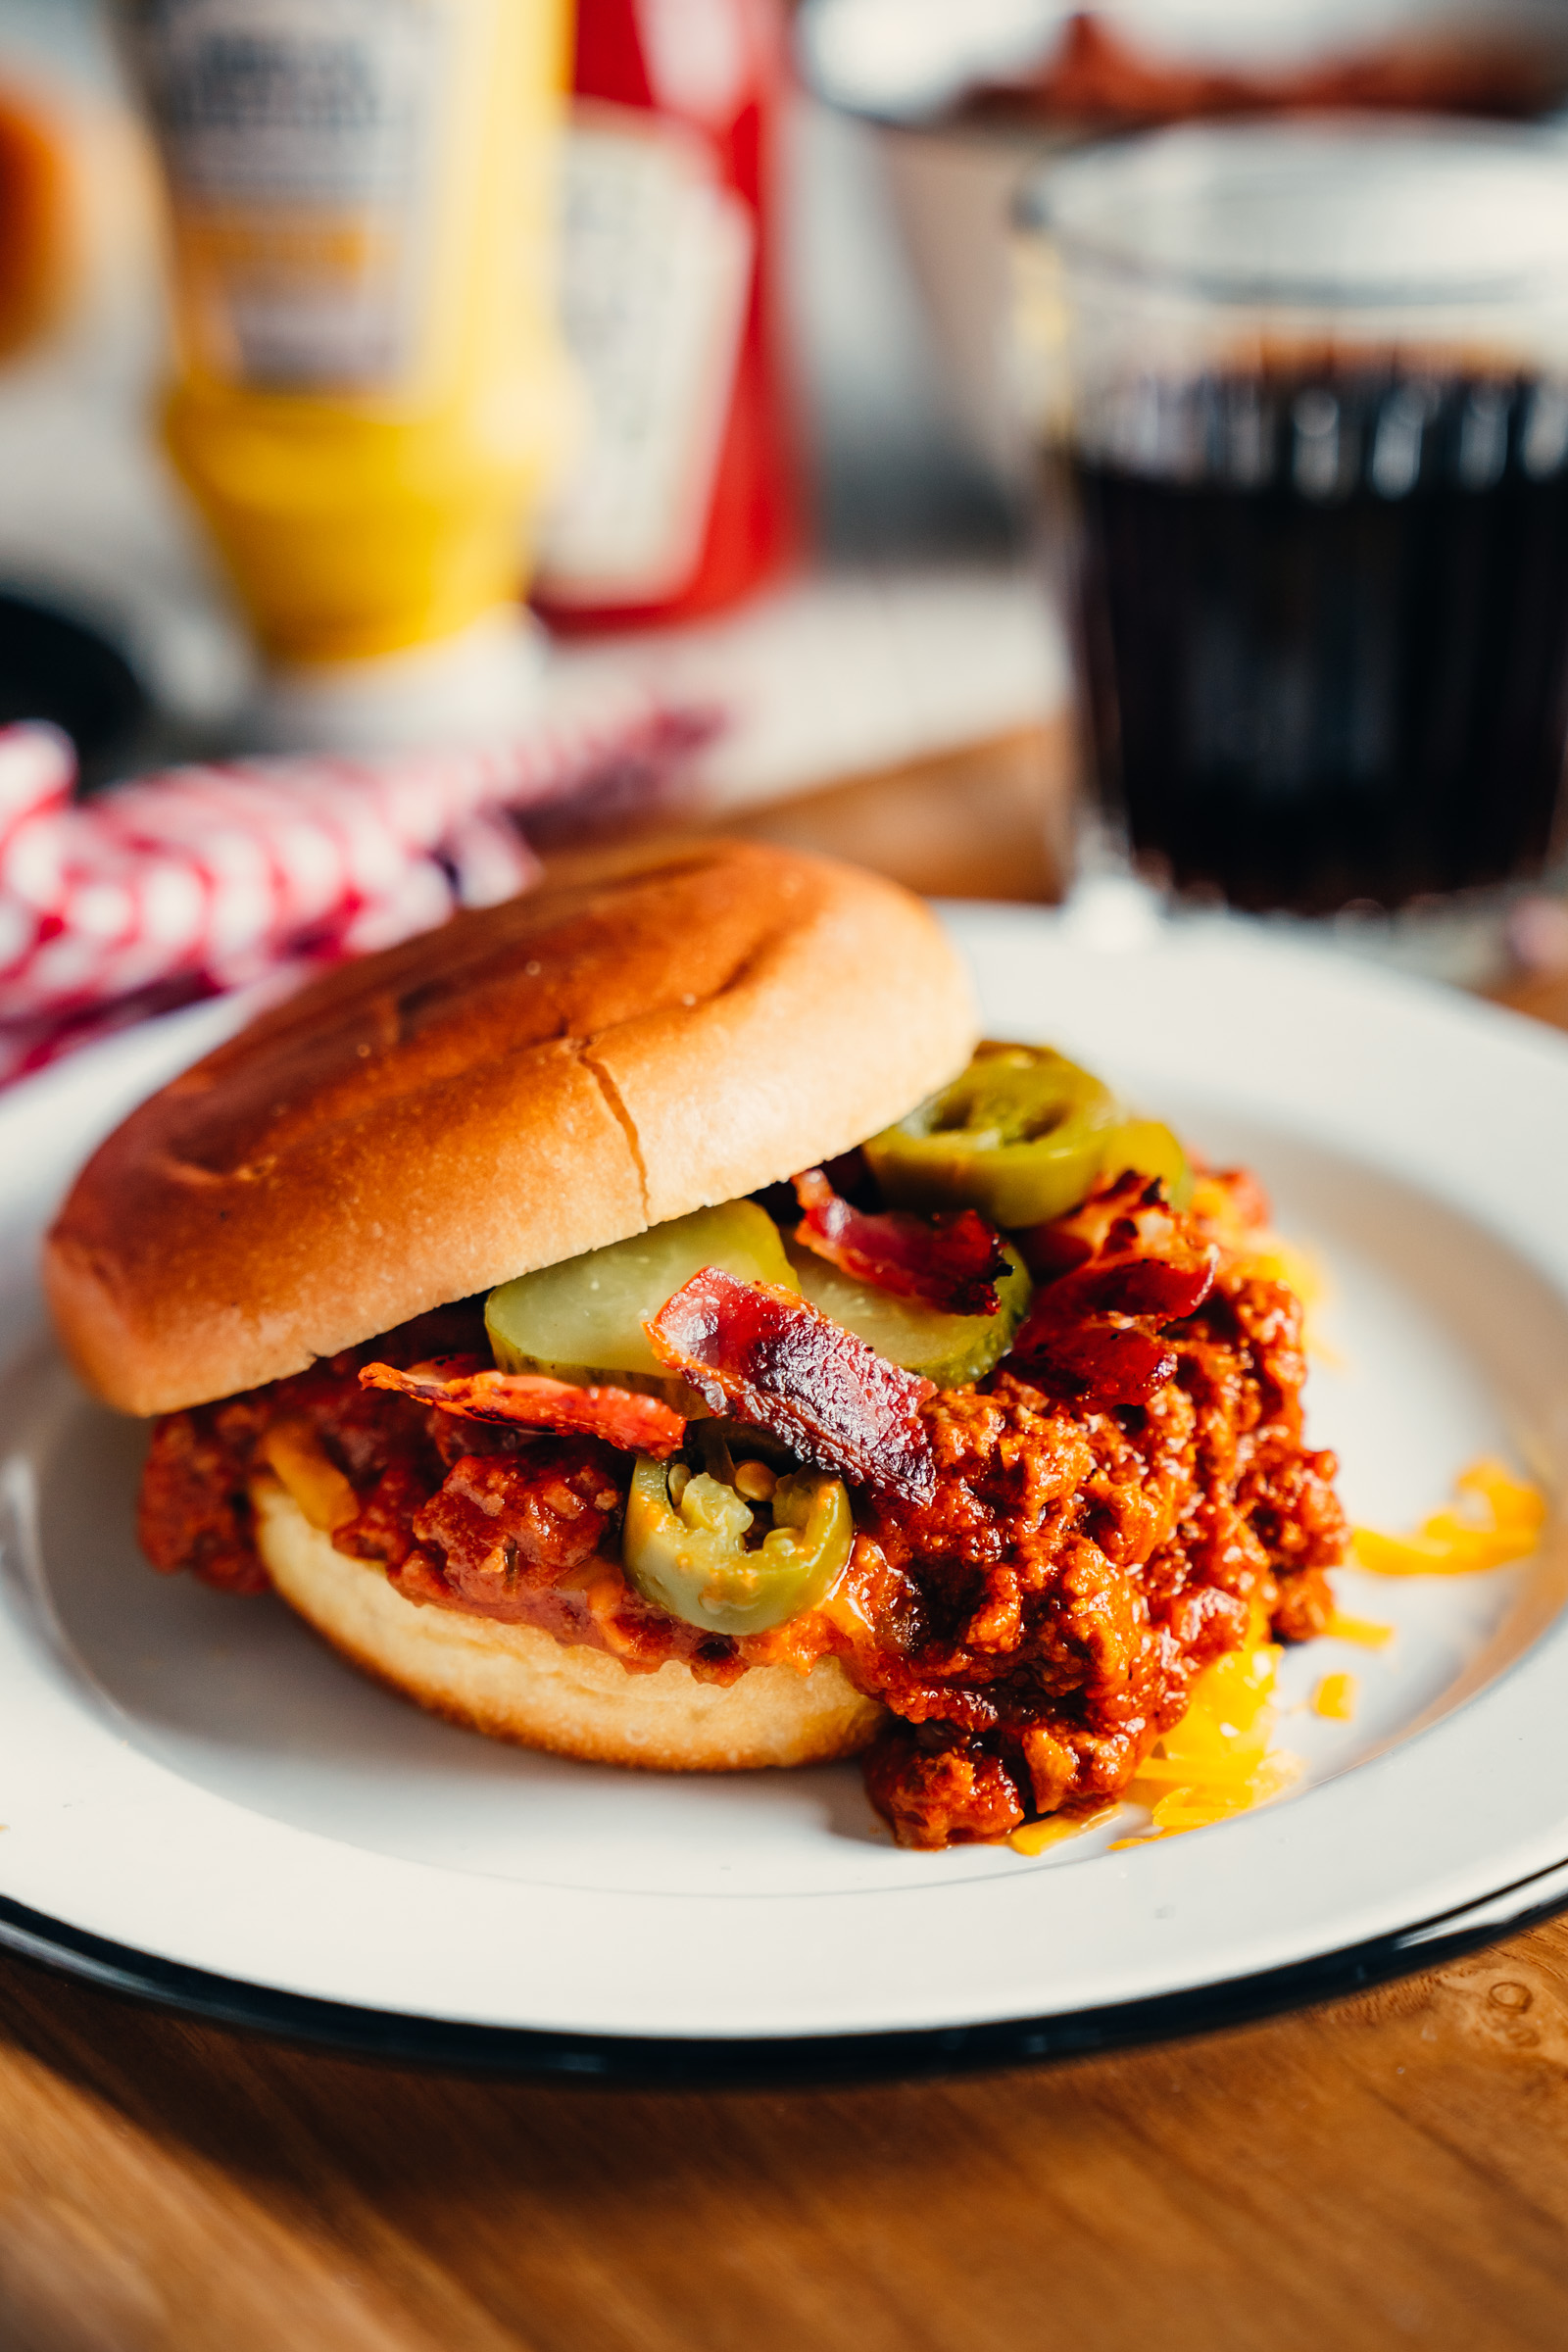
[
  {"x": 518, "y": 1684},
  {"x": 530, "y": 1081}
]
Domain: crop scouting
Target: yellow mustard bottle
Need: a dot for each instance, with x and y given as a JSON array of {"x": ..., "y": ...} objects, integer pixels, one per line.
[{"x": 369, "y": 392}]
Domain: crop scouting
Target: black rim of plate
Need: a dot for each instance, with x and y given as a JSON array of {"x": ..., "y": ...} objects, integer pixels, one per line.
[{"x": 345, "y": 2030}]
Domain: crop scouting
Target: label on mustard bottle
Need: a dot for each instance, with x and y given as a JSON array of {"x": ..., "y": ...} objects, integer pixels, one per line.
[
  {"x": 656, "y": 276},
  {"x": 301, "y": 139}
]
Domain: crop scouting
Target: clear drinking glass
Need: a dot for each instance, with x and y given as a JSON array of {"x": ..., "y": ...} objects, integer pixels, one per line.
[{"x": 1301, "y": 392}]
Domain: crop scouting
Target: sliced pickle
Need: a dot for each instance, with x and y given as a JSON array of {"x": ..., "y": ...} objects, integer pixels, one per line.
[
  {"x": 583, "y": 1319},
  {"x": 1022, "y": 1135},
  {"x": 1152, "y": 1148},
  {"x": 684, "y": 1545},
  {"x": 951, "y": 1349}
]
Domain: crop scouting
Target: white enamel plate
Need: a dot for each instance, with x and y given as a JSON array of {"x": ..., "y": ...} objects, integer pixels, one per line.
[{"x": 203, "y": 1805}]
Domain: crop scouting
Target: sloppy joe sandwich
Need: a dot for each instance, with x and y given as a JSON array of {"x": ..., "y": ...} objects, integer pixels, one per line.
[{"x": 642, "y": 1321}]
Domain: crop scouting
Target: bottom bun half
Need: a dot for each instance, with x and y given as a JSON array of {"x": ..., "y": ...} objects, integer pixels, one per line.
[{"x": 518, "y": 1684}]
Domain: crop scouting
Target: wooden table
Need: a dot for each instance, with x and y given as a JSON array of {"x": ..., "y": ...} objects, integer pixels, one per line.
[{"x": 1383, "y": 2172}]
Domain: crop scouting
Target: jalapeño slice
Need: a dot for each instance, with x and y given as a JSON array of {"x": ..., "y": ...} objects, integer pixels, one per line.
[
  {"x": 684, "y": 1545},
  {"x": 1020, "y": 1134}
]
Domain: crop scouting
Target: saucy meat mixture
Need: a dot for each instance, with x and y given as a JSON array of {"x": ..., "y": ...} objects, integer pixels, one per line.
[{"x": 1125, "y": 1499}]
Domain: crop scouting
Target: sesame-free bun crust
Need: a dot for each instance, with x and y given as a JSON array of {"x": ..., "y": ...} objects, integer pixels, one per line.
[
  {"x": 661, "y": 1031},
  {"x": 518, "y": 1684}
]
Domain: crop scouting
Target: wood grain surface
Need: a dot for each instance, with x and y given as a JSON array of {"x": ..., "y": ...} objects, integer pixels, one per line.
[{"x": 1390, "y": 2170}]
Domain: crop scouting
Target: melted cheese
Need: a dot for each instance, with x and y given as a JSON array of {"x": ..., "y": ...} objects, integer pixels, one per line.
[
  {"x": 1495, "y": 1518},
  {"x": 1057, "y": 1828},
  {"x": 1335, "y": 1697},
  {"x": 1365, "y": 1632},
  {"x": 1218, "y": 1761},
  {"x": 297, "y": 1459}
]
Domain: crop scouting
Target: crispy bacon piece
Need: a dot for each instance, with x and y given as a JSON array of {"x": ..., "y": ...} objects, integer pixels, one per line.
[
  {"x": 636, "y": 1423},
  {"x": 952, "y": 1262},
  {"x": 761, "y": 1353},
  {"x": 1097, "y": 1328}
]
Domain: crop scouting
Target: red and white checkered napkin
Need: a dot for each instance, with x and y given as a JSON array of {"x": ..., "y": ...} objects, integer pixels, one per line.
[{"x": 202, "y": 879}]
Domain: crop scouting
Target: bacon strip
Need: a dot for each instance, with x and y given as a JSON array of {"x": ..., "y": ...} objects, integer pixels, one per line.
[
  {"x": 624, "y": 1417},
  {"x": 1100, "y": 1327},
  {"x": 953, "y": 1261},
  {"x": 761, "y": 1353},
  {"x": 1123, "y": 1215}
]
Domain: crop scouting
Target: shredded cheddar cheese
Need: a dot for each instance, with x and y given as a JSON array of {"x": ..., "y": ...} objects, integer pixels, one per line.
[
  {"x": 1055, "y": 1829},
  {"x": 1365, "y": 1632},
  {"x": 1277, "y": 1260},
  {"x": 1495, "y": 1518},
  {"x": 1335, "y": 1697},
  {"x": 297, "y": 1459},
  {"x": 1216, "y": 1761},
  {"x": 1200, "y": 1808}
]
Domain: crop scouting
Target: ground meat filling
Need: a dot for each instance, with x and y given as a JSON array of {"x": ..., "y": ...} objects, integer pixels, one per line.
[
  {"x": 1044, "y": 1618},
  {"x": 1033, "y": 1627}
]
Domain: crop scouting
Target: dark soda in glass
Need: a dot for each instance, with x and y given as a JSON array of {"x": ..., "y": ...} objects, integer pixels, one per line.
[{"x": 1322, "y": 618}]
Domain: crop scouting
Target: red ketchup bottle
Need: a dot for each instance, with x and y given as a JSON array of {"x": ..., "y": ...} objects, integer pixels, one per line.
[{"x": 684, "y": 495}]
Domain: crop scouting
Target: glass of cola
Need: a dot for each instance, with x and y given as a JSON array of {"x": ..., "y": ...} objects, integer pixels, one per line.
[{"x": 1301, "y": 392}]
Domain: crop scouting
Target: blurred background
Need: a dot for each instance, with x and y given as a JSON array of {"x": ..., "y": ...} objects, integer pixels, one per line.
[{"x": 346, "y": 408}]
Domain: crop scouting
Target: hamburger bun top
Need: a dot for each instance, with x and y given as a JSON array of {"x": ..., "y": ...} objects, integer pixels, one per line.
[{"x": 661, "y": 1031}]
